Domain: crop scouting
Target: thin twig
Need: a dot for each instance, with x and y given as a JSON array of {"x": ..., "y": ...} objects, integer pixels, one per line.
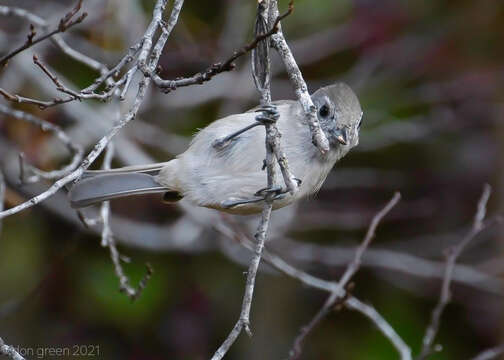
[
  {"x": 490, "y": 354},
  {"x": 75, "y": 150},
  {"x": 244, "y": 319},
  {"x": 100, "y": 145},
  {"x": 9, "y": 351},
  {"x": 40, "y": 103},
  {"x": 126, "y": 59},
  {"x": 87, "y": 93},
  {"x": 370, "y": 234},
  {"x": 54, "y": 79},
  {"x": 56, "y": 39},
  {"x": 336, "y": 298},
  {"x": 324, "y": 285},
  {"x": 451, "y": 258},
  {"x": 271, "y": 141},
  {"x": 217, "y": 68},
  {"x": 166, "y": 30},
  {"x": 2, "y": 197},
  {"x": 65, "y": 23},
  {"x": 280, "y": 44},
  {"x": 106, "y": 95},
  {"x": 107, "y": 240}
]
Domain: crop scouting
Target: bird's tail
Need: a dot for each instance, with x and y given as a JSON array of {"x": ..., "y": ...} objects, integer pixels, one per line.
[{"x": 97, "y": 186}]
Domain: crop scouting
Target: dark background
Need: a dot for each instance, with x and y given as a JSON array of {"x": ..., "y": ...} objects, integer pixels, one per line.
[{"x": 430, "y": 77}]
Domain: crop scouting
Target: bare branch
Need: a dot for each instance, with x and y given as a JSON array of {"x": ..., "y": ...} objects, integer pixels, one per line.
[
  {"x": 65, "y": 23},
  {"x": 244, "y": 320},
  {"x": 2, "y": 196},
  {"x": 41, "y": 104},
  {"x": 126, "y": 59},
  {"x": 324, "y": 285},
  {"x": 280, "y": 44},
  {"x": 166, "y": 31},
  {"x": 388, "y": 331},
  {"x": 75, "y": 150},
  {"x": 9, "y": 351},
  {"x": 54, "y": 79},
  {"x": 103, "y": 142},
  {"x": 272, "y": 144},
  {"x": 109, "y": 241},
  {"x": 336, "y": 296},
  {"x": 451, "y": 259},
  {"x": 56, "y": 39},
  {"x": 356, "y": 263},
  {"x": 217, "y": 68},
  {"x": 88, "y": 160},
  {"x": 87, "y": 93},
  {"x": 491, "y": 353}
]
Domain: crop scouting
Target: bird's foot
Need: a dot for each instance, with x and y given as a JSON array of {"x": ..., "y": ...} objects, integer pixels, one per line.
[
  {"x": 223, "y": 142},
  {"x": 275, "y": 189},
  {"x": 278, "y": 191},
  {"x": 269, "y": 114}
]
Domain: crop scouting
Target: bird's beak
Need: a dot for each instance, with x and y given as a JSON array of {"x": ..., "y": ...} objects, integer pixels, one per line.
[{"x": 341, "y": 136}]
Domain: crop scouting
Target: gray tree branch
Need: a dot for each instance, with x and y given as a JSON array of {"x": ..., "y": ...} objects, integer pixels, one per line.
[
  {"x": 336, "y": 297},
  {"x": 452, "y": 255},
  {"x": 9, "y": 351},
  {"x": 36, "y": 174}
]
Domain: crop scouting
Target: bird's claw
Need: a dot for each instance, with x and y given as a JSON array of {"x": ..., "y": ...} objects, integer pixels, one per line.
[
  {"x": 269, "y": 114},
  {"x": 278, "y": 191}
]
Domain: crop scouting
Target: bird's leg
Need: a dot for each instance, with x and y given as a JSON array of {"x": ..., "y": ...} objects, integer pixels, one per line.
[
  {"x": 279, "y": 192},
  {"x": 225, "y": 141},
  {"x": 277, "y": 189},
  {"x": 269, "y": 114},
  {"x": 230, "y": 203}
]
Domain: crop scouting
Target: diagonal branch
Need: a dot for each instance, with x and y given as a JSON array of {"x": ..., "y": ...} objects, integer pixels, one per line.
[
  {"x": 272, "y": 144},
  {"x": 309, "y": 280},
  {"x": 56, "y": 39},
  {"x": 108, "y": 241},
  {"x": 9, "y": 351},
  {"x": 2, "y": 196},
  {"x": 280, "y": 44},
  {"x": 338, "y": 296},
  {"x": 452, "y": 255},
  {"x": 65, "y": 23},
  {"x": 217, "y": 68},
  {"x": 491, "y": 353},
  {"x": 75, "y": 150},
  {"x": 100, "y": 145}
]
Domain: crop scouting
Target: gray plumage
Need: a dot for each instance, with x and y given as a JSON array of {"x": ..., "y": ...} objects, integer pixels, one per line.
[{"x": 212, "y": 177}]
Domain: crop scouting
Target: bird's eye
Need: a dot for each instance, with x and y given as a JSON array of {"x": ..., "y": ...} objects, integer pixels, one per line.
[{"x": 324, "y": 111}]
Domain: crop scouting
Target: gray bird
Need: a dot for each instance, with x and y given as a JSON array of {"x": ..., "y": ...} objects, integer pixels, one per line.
[{"x": 228, "y": 177}]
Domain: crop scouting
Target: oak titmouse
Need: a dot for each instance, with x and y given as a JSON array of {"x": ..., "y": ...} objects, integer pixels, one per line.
[{"x": 228, "y": 177}]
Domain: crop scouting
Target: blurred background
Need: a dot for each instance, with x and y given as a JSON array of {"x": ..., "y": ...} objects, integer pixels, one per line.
[{"x": 429, "y": 75}]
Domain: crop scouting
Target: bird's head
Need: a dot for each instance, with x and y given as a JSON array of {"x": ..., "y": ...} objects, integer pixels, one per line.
[{"x": 339, "y": 113}]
